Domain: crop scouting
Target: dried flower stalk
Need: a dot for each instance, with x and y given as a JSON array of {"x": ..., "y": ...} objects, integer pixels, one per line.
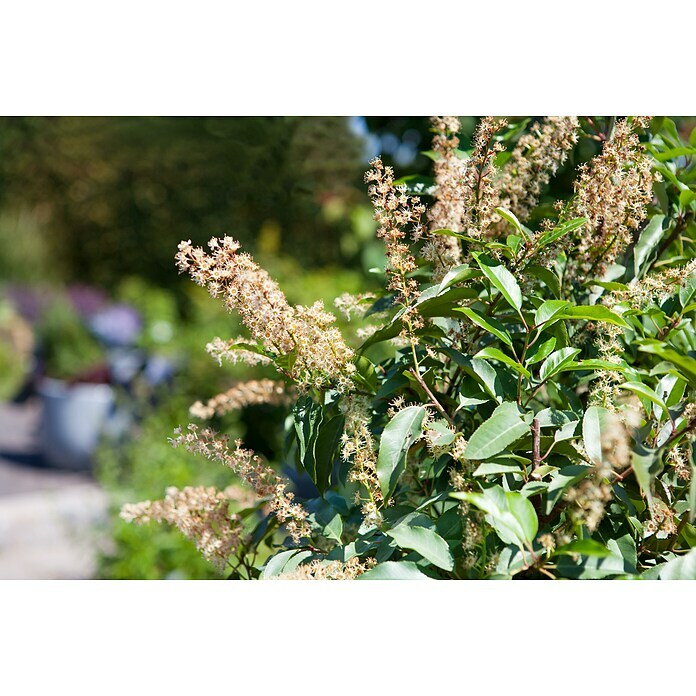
[
  {"x": 534, "y": 160},
  {"x": 322, "y": 358},
  {"x": 448, "y": 210},
  {"x": 242, "y": 394},
  {"x": 329, "y": 570},
  {"x": 612, "y": 192},
  {"x": 201, "y": 514},
  {"x": 248, "y": 466}
]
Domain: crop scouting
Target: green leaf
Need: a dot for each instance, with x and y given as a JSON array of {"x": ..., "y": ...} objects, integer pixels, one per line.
[
  {"x": 285, "y": 561},
  {"x": 490, "y": 468},
  {"x": 549, "y": 310},
  {"x": 540, "y": 352},
  {"x": 501, "y": 279},
  {"x": 490, "y": 353},
  {"x": 583, "y": 547},
  {"x": 595, "y": 364},
  {"x": 560, "y": 231},
  {"x": 645, "y": 391},
  {"x": 685, "y": 365},
  {"x": 511, "y": 515},
  {"x": 649, "y": 239},
  {"x": 366, "y": 374},
  {"x": 334, "y": 528},
  {"x": 596, "y": 422},
  {"x": 647, "y": 464},
  {"x": 687, "y": 291},
  {"x": 675, "y": 152},
  {"x": 680, "y": 568},
  {"x": 308, "y": 416},
  {"x": 502, "y": 429},
  {"x": 394, "y": 570},
  {"x": 548, "y": 277},
  {"x": 595, "y": 313},
  {"x": 391, "y": 330},
  {"x": 594, "y": 568},
  {"x": 512, "y": 219},
  {"x": 556, "y": 362},
  {"x": 443, "y": 435},
  {"x": 686, "y": 198},
  {"x": 398, "y": 436},
  {"x": 325, "y": 450},
  {"x": 488, "y": 323},
  {"x": 424, "y": 541}
]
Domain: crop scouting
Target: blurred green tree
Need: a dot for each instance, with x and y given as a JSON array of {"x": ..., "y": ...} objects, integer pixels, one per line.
[{"x": 115, "y": 195}]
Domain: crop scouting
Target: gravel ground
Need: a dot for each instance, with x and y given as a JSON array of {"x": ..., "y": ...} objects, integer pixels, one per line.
[{"x": 49, "y": 518}]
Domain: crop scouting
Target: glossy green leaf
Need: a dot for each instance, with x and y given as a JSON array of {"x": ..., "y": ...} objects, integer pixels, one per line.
[
  {"x": 559, "y": 231},
  {"x": 502, "y": 429},
  {"x": 308, "y": 417},
  {"x": 394, "y": 570},
  {"x": 424, "y": 541},
  {"x": 647, "y": 464},
  {"x": 284, "y": 562},
  {"x": 583, "y": 547},
  {"x": 548, "y": 277},
  {"x": 648, "y": 241},
  {"x": 675, "y": 152},
  {"x": 685, "y": 364},
  {"x": 510, "y": 514},
  {"x": 326, "y": 450},
  {"x": 491, "y": 468},
  {"x": 490, "y": 353},
  {"x": 645, "y": 391},
  {"x": 540, "y": 351},
  {"x": 512, "y": 219},
  {"x": 596, "y": 422},
  {"x": 501, "y": 279},
  {"x": 488, "y": 323},
  {"x": 549, "y": 310},
  {"x": 595, "y": 313},
  {"x": 556, "y": 362},
  {"x": 681, "y": 568},
  {"x": 398, "y": 436}
]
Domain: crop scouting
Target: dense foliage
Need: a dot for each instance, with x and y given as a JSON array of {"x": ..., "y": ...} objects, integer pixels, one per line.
[{"x": 523, "y": 401}]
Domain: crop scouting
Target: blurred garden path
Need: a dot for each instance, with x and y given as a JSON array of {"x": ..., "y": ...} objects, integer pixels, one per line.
[{"x": 49, "y": 518}]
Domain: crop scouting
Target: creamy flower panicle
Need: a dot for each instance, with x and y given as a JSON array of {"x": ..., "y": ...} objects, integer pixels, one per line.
[
  {"x": 612, "y": 192},
  {"x": 534, "y": 160},
  {"x": 321, "y": 359},
  {"x": 251, "y": 393},
  {"x": 249, "y": 467},
  {"x": 200, "y": 514}
]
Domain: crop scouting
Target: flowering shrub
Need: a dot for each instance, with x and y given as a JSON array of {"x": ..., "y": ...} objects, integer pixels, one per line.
[{"x": 523, "y": 401}]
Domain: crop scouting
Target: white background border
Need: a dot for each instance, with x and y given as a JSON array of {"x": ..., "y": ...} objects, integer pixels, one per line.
[{"x": 359, "y": 57}]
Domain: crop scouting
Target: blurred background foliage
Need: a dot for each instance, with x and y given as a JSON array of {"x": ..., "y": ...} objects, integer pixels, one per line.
[{"x": 93, "y": 208}]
